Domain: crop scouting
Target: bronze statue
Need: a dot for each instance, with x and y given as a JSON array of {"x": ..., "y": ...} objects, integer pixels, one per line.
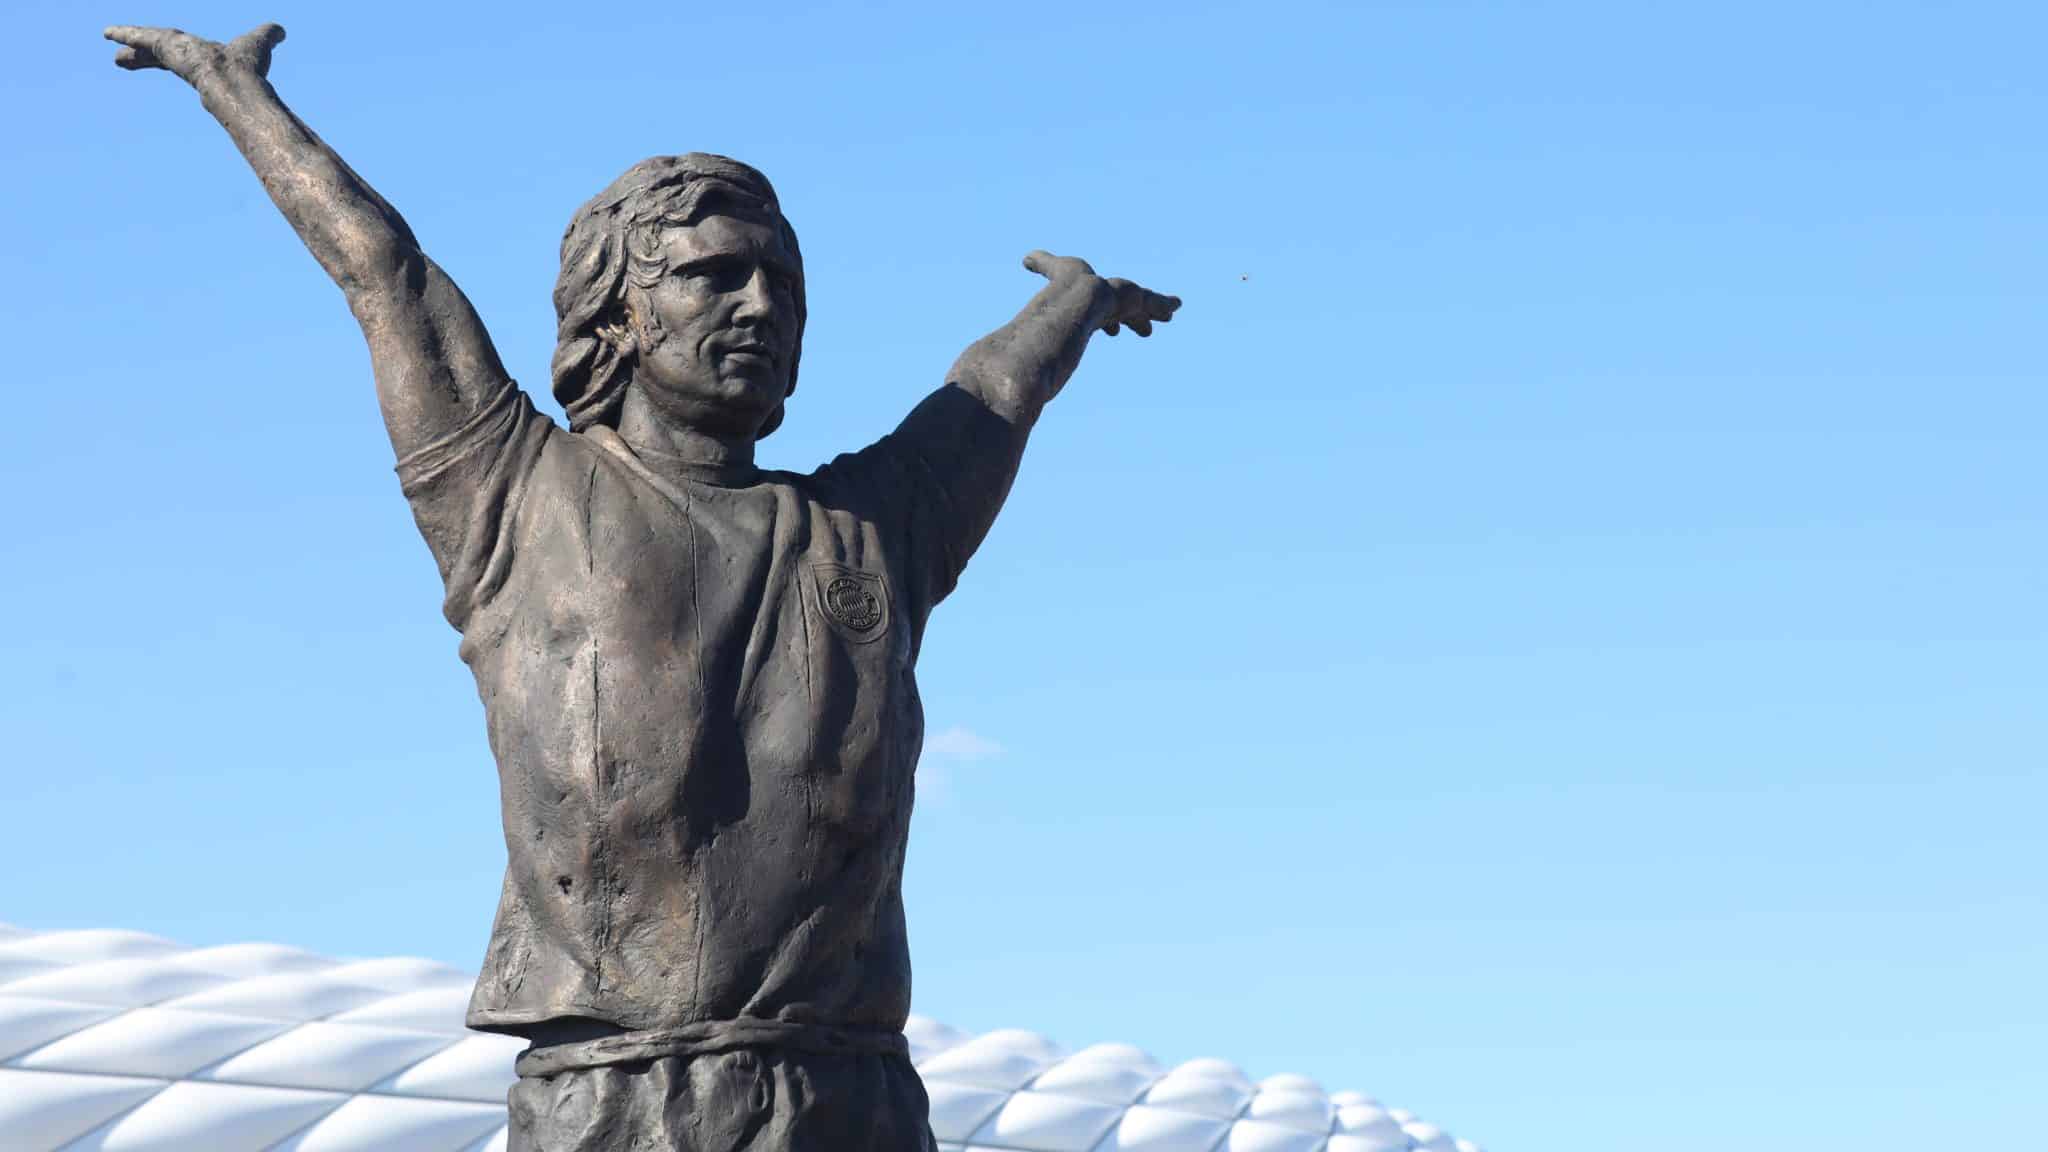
[{"x": 697, "y": 674}]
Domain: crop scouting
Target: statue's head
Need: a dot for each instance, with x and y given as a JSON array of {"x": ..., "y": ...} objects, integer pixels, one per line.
[{"x": 681, "y": 280}]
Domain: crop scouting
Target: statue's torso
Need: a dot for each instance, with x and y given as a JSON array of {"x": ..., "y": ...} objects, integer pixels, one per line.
[{"x": 702, "y": 704}]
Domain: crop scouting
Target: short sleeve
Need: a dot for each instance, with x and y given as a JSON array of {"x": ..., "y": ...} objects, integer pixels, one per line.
[
  {"x": 464, "y": 489},
  {"x": 936, "y": 484}
]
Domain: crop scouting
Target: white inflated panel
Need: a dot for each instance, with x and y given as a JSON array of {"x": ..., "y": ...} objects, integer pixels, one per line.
[{"x": 123, "y": 1042}]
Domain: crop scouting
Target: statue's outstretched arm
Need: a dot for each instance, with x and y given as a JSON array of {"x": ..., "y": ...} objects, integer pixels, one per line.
[
  {"x": 1017, "y": 369},
  {"x": 958, "y": 451},
  {"x": 434, "y": 362}
]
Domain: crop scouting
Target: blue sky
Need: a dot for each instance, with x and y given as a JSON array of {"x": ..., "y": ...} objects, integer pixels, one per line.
[{"x": 1551, "y": 635}]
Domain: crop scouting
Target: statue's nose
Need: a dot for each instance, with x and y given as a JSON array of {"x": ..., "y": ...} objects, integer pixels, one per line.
[{"x": 757, "y": 299}]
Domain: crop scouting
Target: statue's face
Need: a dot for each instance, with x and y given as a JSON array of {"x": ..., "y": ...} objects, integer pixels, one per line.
[{"x": 717, "y": 335}]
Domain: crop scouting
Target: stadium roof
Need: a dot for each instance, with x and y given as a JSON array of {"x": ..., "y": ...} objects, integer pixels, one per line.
[{"x": 114, "y": 1041}]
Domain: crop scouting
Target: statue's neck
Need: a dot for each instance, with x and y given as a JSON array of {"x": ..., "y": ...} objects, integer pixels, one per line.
[{"x": 646, "y": 430}]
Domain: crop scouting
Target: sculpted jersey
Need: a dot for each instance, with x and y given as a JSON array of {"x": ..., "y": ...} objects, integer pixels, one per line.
[{"x": 699, "y": 690}]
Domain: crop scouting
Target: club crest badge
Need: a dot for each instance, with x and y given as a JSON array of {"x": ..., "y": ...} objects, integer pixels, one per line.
[{"x": 856, "y": 602}]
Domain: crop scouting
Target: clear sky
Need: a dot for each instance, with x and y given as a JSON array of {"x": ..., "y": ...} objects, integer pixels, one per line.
[{"x": 1551, "y": 635}]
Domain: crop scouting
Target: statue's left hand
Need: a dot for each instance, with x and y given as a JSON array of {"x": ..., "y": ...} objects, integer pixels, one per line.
[
  {"x": 1124, "y": 304},
  {"x": 194, "y": 59}
]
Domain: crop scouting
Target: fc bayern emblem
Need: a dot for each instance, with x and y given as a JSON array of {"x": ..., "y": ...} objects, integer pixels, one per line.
[
  {"x": 850, "y": 603},
  {"x": 854, "y": 601}
]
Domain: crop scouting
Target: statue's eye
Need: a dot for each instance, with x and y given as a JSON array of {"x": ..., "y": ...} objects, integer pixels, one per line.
[{"x": 719, "y": 274}]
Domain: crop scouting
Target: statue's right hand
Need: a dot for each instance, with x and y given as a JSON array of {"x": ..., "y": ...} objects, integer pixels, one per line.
[{"x": 192, "y": 58}]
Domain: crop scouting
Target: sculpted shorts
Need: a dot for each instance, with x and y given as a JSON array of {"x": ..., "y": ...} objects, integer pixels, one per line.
[{"x": 754, "y": 1099}]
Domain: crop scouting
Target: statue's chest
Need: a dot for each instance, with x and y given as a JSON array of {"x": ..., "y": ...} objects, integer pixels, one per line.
[{"x": 748, "y": 645}]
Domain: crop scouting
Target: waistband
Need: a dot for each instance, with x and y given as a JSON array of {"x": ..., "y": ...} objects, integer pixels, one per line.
[{"x": 707, "y": 1036}]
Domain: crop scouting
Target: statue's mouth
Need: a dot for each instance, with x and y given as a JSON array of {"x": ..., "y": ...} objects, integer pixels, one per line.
[{"x": 761, "y": 352}]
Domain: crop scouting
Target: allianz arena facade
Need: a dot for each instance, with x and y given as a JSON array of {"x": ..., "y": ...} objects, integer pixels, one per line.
[{"x": 120, "y": 1041}]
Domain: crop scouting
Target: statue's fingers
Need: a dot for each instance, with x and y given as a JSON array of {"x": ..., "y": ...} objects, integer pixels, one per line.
[
  {"x": 262, "y": 36},
  {"x": 1141, "y": 326},
  {"x": 173, "y": 50},
  {"x": 1161, "y": 308},
  {"x": 137, "y": 47},
  {"x": 256, "y": 44},
  {"x": 136, "y": 59},
  {"x": 151, "y": 40},
  {"x": 1112, "y": 328},
  {"x": 1040, "y": 261}
]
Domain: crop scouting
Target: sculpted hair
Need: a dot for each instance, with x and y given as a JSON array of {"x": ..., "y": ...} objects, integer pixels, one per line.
[{"x": 614, "y": 240}]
